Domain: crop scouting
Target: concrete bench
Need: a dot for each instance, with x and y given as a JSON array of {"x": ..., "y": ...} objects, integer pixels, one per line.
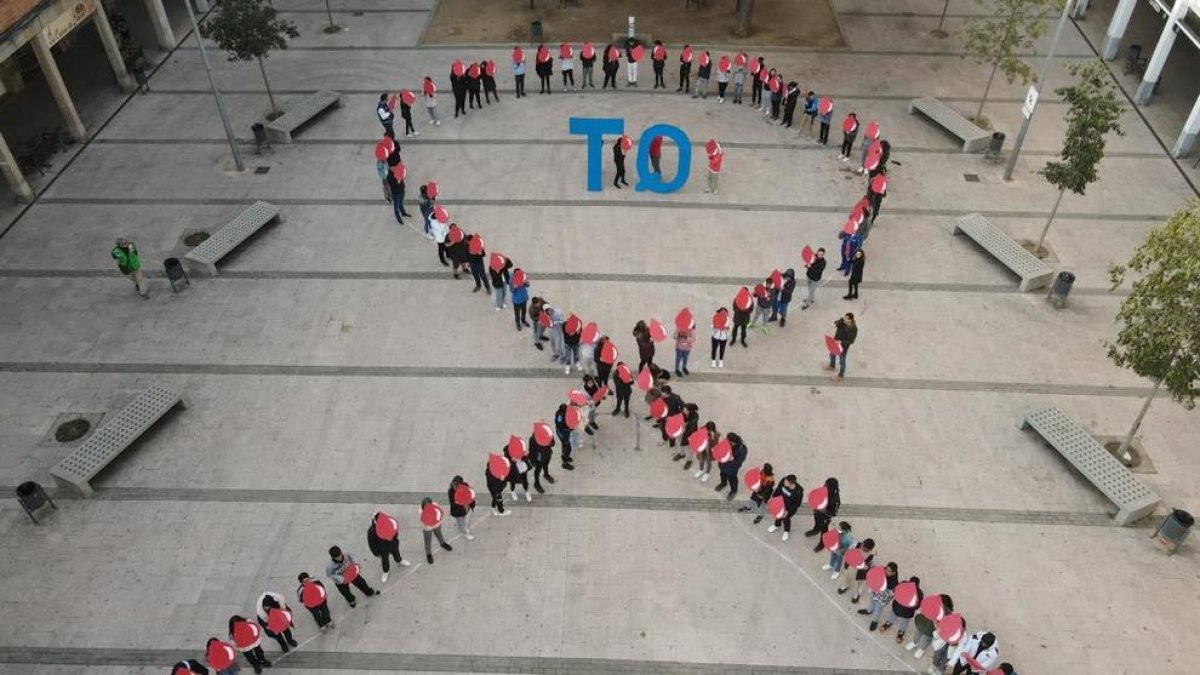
[
  {"x": 1033, "y": 272},
  {"x": 974, "y": 138},
  {"x": 229, "y": 237},
  {"x": 300, "y": 112},
  {"x": 117, "y": 433},
  {"x": 1133, "y": 499}
]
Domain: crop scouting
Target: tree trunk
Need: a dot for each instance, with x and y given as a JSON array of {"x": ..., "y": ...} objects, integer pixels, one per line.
[
  {"x": 943, "y": 18},
  {"x": 1038, "y": 249},
  {"x": 979, "y": 114},
  {"x": 329, "y": 11},
  {"x": 745, "y": 9},
  {"x": 1123, "y": 452},
  {"x": 270, "y": 96}
]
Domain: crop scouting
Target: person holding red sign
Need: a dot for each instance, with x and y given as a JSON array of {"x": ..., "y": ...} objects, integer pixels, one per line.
[
  {"x": 610, "y": 64},
  {"x": 406, "y": 100},
  {"x": 383, "y": 540},
  {"x": 784, "y": 297},
  {"x": 824, "y": 513},
  {"x": 312, "y": 595},
  {"x": 633, "y": 53},
  {"x": 541, "y": 452},
  {"x": 566, "y": 64},
  {"x": 905, "y": 601},
  {"x": 729, "y": 469},
  {"x": 544, "y": 67},
  {"x": 792, "y": 495},
  {"x": 189, "y": 667},
  {"x": 932, "y": 609},
  {"x": 518, "y": 286},
  {"x": 344, "y": 570},
  {"x": 876, "y": 190},
  {"x": 715, "y": 161},
  {"x": 743, "y": 305},
  {"x": 623, "y": 385},
  {"x": 276, "y": 617},
  {"x": 685, "y": 339},
  {"x": 854, "y": 572},
  {"x": 842, "y": 541},
  {"x": 247, "y": 639},
  {"x": 702, "y": 76},
  {"x": 810, "y": 113},
  {"x": 487, "y": 69},
  {"x": 757, "y": 69},
  {"x": 814, "y": 267},
  {"x": 518, "y": 474},
  {"x": 849, "y": 133},
  {"x": 721, "y": 324},
  {"x": 431, "y": 526},
  {"x": 517, "y": 63},
  {"x": 496, "y": 475},
  {"x": 498, "y": 273},
  {"x": 845, "y": 335},
  {"x": 566, "y": 433},
  {"x": 976, "y": 654},
  {"x": 777, "y": 93},
  {"x": 691, "y": 422},
  {"x": 462, "y": 503},
  {"x": 685, "y": 70},
  {"x": 474, "y": 85},
  {"x": 881, "y": 594},
  {"x": 658, "y": 58},
  {"x": 704, "y": 458},
  {"x": 458, "y": 86},
  {"x": 825, "y": 109},
  {"x": 221, "y": 656},
  {"x": 758, "y": 497},
  {"x": 587, "y": 59}
]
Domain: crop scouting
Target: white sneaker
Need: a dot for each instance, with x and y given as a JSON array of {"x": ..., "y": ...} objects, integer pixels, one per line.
[
  {"x": 910, "y": 646},
  {"x": 919, "y": 653},
  {"x": 567, "y": 370},
  {"x": 833, "y": 576},
  {"x": 512, "y": 494},
  {"x": 439, "y": 123},
  {"x": 714, "y": 364},
  {"x": 787, "y": 535},
  {"x": 697, "y": 474},
  {"x": 826, "y": 567},
  {"x": 469, "y": 536},
  {"x": 383, "y": 578},
  {"x": 506, "y": 513},
  {"x": 528, "y": 497},
  {"x": 498, "y": 308},
  {"x": 416, "y": 133},
  {"x": 495, "y": 512},
  {"x": 772, "y": 528},
  {"x": 432, "y": 121},
  {"x": 704, "y": 478},
  {"x": 405, "y": 563},
  {"x": 721, "y": 364}
]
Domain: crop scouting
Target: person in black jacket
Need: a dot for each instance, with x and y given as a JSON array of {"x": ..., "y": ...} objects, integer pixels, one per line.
[
  {"x": 856, "y": 274},
  {"x": 789, "y": 105},
  {"x": 784, "y": 297},
  {"x": 777, "y": 93},
  {"x": 475, "y": 258},
  {"x": 458, "y": 84},
  {"x": 641, "y": 333},
  {"x": 619, "y": 163},
  {"x": 756, "y": 84},
  {"x": 793, "y": 495},
  {"x": 564, "y": 433},
  {"x": 623, "y": 385},
  {"x": 691, "y": 422},
  {"x": 729, "y": 470},
  {"x": 489, "y": 81},
  {"x": 474, "y": 85},
  {"x": 822, "y": 517},
  {"x": 544, "y": 69},
  {"x": 457, "y": 252},
  {"x": 461, "y": 514},
  {"x": 499, "y": 281},
  {"x": 675, "y": 405},
  {"x": 902, "y": 614},
  {"x": 846, "y": 333},
  {"x": 813, "y": 271},
  {"x": 659, "y": 64},
  {"x": 610, "y": 65},
  {"x": 540, "y": 456},
  {"x": 588, "y": 63},
  {"x": 741, "y": 319},
  {"x": 685, "y": 69},
  {"x": 518, "y": 476},
  {"x": 703, "y": 73},
  {"x": 495, "y": 487},
  {"x": 189, "y": 667},
  {"x": 381, "y": 525}
]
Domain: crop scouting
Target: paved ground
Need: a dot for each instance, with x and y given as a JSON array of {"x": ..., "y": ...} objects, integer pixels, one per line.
[{"x": 334, "y": 369}]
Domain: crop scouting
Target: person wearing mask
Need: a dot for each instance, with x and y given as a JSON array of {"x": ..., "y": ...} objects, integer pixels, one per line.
[
  {"x": 221, "y": 656},
  {"x": 793, "y": 495},
  {"x": 311, "y": 593},
  {"x": 498, "y": 273},
  {"x": 489, "y": 81},
  {"x": 383, "y": 540},
  {"x": 541, "y": 453},
  {"x": 518, "y": 69},
  {"x": 758, "y": 498},
  {"x": 720, "y": 336},
  {"x": 610, "y": 65},
  {"x": 658, "y": 58},
  {"x": 565, "y": 434},
  {"x": 822, "y": 517},
  {"x": 566, "y": 65},
  {"x": 743, "y": 305},
  {"x": 976, "y": 654},
  {"x": 702, "y": 76},
  {"x": 849, "y": 133},
  {"x": 460, "y": 507},
  {"x": 791, "y": 98},
  {"x": 276, "y": 618},
  {"x": 852, "y": 578},
  {"x": 247, "y": 639},
  {"x": 518, "y": 285},
  {"x": 729, "y": 470},
  {"x": 618, "y": 152},
  {"x": 474, "y": 85},
  {"x": 856, "y": 274},
  {"x": 881, "y": 598},
  {"x": 431, "y": 526},
  {"x": 813, "y": 271},
  {"x": 587, "y": 59},
  {"x": 810, "y": 114},
  {"x": 386, "y": 117},
  {"x": 623, "y": 384},
  {"x": 845, "y": 541},
  {"x": 846, "y": 333},
  {"x": 126, "y": 254},
  {"x": 344, "y": 570},
  {"x": 784, "y": 298},
  {"x": 429, "y": 94}
]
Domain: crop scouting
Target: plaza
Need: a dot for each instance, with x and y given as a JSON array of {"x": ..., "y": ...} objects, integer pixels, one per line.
[{"x": 334, "y": 368}]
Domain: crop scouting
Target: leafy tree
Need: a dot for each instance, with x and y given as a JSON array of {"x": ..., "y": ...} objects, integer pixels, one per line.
[
  {"x": 995, "y": 40},
  {"x": 1094, "y": 111},
  {"x": 1160, "y": 319},
  {"x": 249, "y": 30}
]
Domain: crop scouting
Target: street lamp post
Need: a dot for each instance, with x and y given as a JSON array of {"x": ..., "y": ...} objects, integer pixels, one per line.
[
  {"x": 237, "y": 155},
  {"x": 1037, "y": 87}
]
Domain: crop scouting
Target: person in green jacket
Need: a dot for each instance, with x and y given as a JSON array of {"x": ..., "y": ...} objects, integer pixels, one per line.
[{"x": 126, "y": 255}]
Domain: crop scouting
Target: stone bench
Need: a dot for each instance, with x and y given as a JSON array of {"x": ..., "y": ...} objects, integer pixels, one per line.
[
  {"x": 110, "y": 440},
  {"x": 300, "y": 112},
  {"x": 1133, "y": 499},
  {"x": 229, "y": 237},
  {"x": 1033, "y": 272},
  {"x": 974, "y": 138}
]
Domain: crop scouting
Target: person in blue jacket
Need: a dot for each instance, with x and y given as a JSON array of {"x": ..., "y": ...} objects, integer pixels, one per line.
[
  {"x": 810, "y": 113},
  {"x": 850, "y": 245},
  {"x": 520, "y": 296}
]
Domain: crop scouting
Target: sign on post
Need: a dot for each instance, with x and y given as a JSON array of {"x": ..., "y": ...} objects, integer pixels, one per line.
[{"x": 1030, "y": 101}]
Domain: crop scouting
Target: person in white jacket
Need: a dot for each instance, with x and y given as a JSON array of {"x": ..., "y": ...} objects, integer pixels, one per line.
[{"x": 976, "y": 654}]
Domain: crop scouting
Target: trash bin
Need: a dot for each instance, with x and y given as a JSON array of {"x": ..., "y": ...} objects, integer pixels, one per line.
[
  {"x": 260, "y": 137},
  {"x": 1061, "y": 288},
  {"x": 1174, "y": 529},
  {"x": 995, "y": 146},
  {"x": 175, "y": 272},
  {"x": 535, "y": 32},
  {"x": 33, "y": 497}
]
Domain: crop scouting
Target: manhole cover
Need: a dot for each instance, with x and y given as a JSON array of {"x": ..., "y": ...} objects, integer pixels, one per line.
[
  {"x": 195, "y": 238},
  {"x": 72, "y": 430},
  {"x": 971, "y": 177},
  {"x": 261, "y": 169}
]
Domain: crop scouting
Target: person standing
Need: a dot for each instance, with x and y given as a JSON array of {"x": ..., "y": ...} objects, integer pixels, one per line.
[
  {"x": 656, "y": 144},
  {"x": 553, "y": 320},
  {"x": 870, "y": 135},
  {"x": 704, "y": 459},
  {"x": 811, "y": 104},
  {"x": 396, "y": 178},
  {"x": 659, "y": 59},
  {"x": 720, "y": 336},
  {"x": 702, "y": 76},
  {"x": 189, "y": 667},
  {"x": 976, "y": 654},
  {"x": 383, "y": 540},
  {"x": 876, "y": 189},
  {"x": 723, "y": 68},
  {"x": 126, "y": 255},
  {"x": 572, "y": 332},
  {"x": 221, "y": 656},
  {"x": 518, "y": 69},
  {"x": 431, "y": 526},
  {"x": 386, "y": 117},
  {"x": 381, "y": 168},
  {"x": 784, "y": 298},
  {"x": 852, "y": 578},
  {"x": 881, "y": 598},
  {"x": 729, "y": 470},
  {"x": 276, "y": 618},
  {"x": 743, "y": 305},
  {"x": 545, "y": 69},
  {"x": 587, "y": 59},
  {"x": 684, "y": 341},
  {"x": 758, "y": 498},
  {"x": 924, "y": 628},
  {"x": 633, "y": 54},
  {"x": 645, "y": 343},
  {"x": 425, "y": 206},
  {"x": 849, "y": 133},
  {"x": 813, "y": 271},
  {"x": 789, "y": 106},
  {"x": 489, "y": 81},
  {"x": 495, "y": 486},
  {"x": 462, "y": 503},
  {"x": 623, "y": 384},
  {"x": 606, "y": 356},
  {"x": 519, "y": 288},
  {"x": 458, "y": 86},
  {"x": 739, "y": 77},
  {"x": 247, "y": 639},
  {"x": 902, "y": 613},
  {"x": 429, "y": 93},
  {"x": 792, "y": 495},
  {"x": 476, "y": 254},
  {"x": 315, "y": 599},
  {"x": 856, "y": 274},
  {"x": 825, "y": 109},
  {"x": 777, "y": 93},
  {"x": 498, "y": 268},
  {"x": 685, "y": 70},
  {"x": 518, "y": 473},
  {"x": 619, "y": 162},
  {"x": 541, "y": 452},
  {"x": 566, "y": 64},
  {"x": 763, "y": 301},
  {"x": 756, "y": 84},
  {"x": 845, "y": 541},
  {"x": 610, "y": 66},
  {"x": 850, "y": 244},
  {"x": 406, "y": 101},
  {"x": 565, "y": 434},
  {"x": 846, "y": 333},
  {"x": 716, "y": 160},
  {"x": 474, "y": 85}
]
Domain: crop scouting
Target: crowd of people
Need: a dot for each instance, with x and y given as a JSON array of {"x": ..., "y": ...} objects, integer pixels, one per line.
[{"x": 922, "y": 622}]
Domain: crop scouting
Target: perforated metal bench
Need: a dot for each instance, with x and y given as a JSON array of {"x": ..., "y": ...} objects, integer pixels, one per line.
[
  {"x": 1033, "y": 272},
  {"x": 300, "y": 112},
  {"x": 1133, "y": 499},
  {"x": 117, "y": 433},
  {"x": 229, "y": 237},
  {"x": 974, "y": 138}
]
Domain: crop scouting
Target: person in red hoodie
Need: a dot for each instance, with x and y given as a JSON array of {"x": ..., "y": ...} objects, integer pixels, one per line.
[{"x": 716, "y": 158}]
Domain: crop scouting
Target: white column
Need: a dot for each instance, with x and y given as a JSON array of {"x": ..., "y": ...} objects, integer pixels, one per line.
[
  {"x": 1187, "y": 137},
  {"x": 41, "y": 48},
  {"x": 162, "y": 25},
  {"x": 201, "y": 6},
  {"x": 1079, "y": 9},
  {"x": 1161, "y": 51},
  {"x": 111, "y": 48},
  {"x": 1116, "y": 28},
  {"x": 13, "y": 173}
]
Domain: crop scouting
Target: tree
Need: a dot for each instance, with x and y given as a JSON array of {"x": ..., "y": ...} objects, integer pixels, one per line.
[
  {"x": 1160, "y": 319},
  {"x": 995, "y": 40},
  {"x": 1094, "y": 111},
  {"x": 249, "y": 30},
  {"x": 745, "y": 9}
]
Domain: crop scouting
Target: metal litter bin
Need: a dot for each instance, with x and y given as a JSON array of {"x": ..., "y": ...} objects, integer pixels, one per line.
[
  {"x": 1061, "y": 289},
  {"x": 535, "y": 31},
  {"x": 260, "y": 137},
  {"x": 175, "y": 272},
  {"x": 995, "y": 146},
  {"x": 1174, "y": 529}
]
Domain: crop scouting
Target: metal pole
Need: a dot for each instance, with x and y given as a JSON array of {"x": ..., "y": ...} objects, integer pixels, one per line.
[
  {"x": 1062, "y": 21},
  {"x": 237, "y": 156}
]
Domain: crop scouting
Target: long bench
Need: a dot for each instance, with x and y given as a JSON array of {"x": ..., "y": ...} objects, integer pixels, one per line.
[
  {"x": 300, "y": 112},
  {"x": 1033, "y": 272},
  {"x": 231, "y": 235},
  {"x": 974, "y": 138},
  {"x": 112, "y": 438},
  {"x": 1133, "y": 499}
]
